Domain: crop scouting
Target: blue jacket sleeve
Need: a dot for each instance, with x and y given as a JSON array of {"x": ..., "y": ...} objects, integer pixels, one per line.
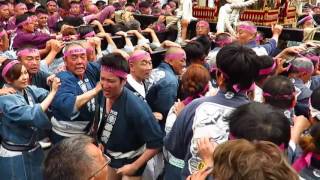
[
  {"x": 163, "y": 98},
  {"x": 270, "y": 46},
  {"x": 148, "y": 128},
  {"x": 64, "y": 101},
  {"x": 17, "y": 111}
]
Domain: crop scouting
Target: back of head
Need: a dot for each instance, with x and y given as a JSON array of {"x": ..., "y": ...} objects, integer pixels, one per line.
[
  {"x": 301, "y": 64},
  {"x": 244, "y": 160},
  {"x": 223, "y": 39},
  {"x": 206, "y": 43},
  {"x": 256, "y": 121},
  {"x": 278, "y": 91},
  {"x": 84, "y": 30},
  {"x": 267, "y": 67},
  {"x": 69, "y": 160},
  {"x": 73, "y": 21},
  {"x": 21, "y": 18},
  {"x": 195, "y": 80},
  {"x": 195, "y": 52},
  {"x": 239, "y": 66}
]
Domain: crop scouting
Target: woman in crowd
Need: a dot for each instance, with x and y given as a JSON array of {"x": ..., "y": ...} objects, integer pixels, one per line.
[{"x": 23, "y": 116}]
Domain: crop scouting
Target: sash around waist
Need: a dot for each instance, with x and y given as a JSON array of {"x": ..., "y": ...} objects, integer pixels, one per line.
[
  {"x": 128, "y": 155},
  {"x": 68, "y": 128}
]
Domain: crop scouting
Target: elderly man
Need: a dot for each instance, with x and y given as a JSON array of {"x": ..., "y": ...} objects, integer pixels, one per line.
[
  {"x": 300, "y": 73},
  {"x": 30, "y": 58},
  {"x": 78, "y": 158},
  {"x": 246, "y": 35},
  {"x": 163, "y": 82},
  {"x": 74, "y": 105},
  {"x": 140, "y": 68},
  {"x": 128, "y": 129}
]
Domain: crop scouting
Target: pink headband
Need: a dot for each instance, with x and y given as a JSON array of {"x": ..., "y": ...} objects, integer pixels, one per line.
[
  {"x": 8, "y": 67},
  {"x": 249, "y": 28},
  {"x": 259, "y": 37},
  {"x": 26, "y": 52},
  {"x": 90, "y": 34},
  {"x": 138, "y": 56},
  {"x": 2, "y": 5},
  {"x": 283, "y": 96},
  {"x": 90, "y": 50},
  {"x": 304, "y": 161},
  {"x": 75, "y": 4},
  {"x": 175, "y": 56},
  {"x": 236, "y": 87},
  {"x": 116, "y": 72},
  {"x": 224, "y": 42},
  {"x": 313, "y": 58},
  {"x": 3, "y": 32},
  {"x": 48, "y": 3},
  {"x": 303, "y": 20},
  {"x": 74, "y": 51},
  {"x": 28, "y": 20},
  {"x": 20, "y": 5},
  {"x": 203, "y": 23},
  {"x": 268, "y": 70},
  {"x": 301, "y": 69}
]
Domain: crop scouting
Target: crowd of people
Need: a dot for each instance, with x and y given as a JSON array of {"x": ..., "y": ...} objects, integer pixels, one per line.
[{"x": 74, "y": 104}]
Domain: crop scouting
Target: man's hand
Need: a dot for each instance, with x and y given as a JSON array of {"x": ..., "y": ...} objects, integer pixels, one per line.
[
  {"x": 5, "y": 91},
  {"x": 201, "y": 175},
  {"x": 127, "y": 170},
  {"x": 276, "y": 30}
]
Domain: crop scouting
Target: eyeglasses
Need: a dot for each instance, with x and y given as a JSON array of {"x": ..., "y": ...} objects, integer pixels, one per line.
[{"x": 100, "y": 169}]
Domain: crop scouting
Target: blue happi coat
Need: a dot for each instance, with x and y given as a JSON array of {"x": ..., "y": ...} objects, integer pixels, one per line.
[
  {"x": 21, "y": 122},
  {"x": 129, "y": 127},
  {"x": 67, "y": 120},
  {"x": 201, "y": 118}
]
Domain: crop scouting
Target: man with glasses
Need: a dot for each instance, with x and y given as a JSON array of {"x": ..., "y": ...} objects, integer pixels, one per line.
[{"x": 76, "y": 158}]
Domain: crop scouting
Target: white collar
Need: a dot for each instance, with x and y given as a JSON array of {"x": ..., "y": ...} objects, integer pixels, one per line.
[{"x": 139, "y": 87}]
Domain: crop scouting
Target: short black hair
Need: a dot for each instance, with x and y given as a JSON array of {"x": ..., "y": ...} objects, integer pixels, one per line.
[
  {"x": 257, "y": 121},
  {"x": 265, "y": 62},
  {"x": 30, "y": 6},
  {"x": 22, "y": 18},
  {"x": 115, "y": 61},
  {"x": 3, "y": 3},
  {"x": 206, "y": 43},
  {"x": 73, "y": 21},
  {"x": 83, "y": 30},
  {"x": 144, "y": 4},
  {"x": 239, "y": 65},
  {"x": 279, "y": 92},
  {"x": 194, "y": 51},
  {"x": 42, "y": 10}
]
